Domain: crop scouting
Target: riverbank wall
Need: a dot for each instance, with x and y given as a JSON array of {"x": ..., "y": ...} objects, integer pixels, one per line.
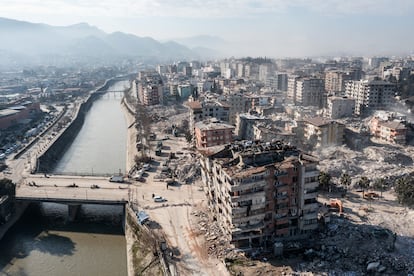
[
  {"x": 48, "y": 160},
  {"x": 18, "y": 212}
]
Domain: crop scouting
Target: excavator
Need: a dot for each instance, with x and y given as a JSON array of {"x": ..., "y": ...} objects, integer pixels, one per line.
[{"x": 337, "y": 204}]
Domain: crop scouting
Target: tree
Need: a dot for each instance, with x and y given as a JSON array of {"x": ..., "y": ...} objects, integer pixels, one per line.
[
  {"x": 324, "y": 180},
  {"x": 404, "y": 188},
  {"x": 363, "y": 183},
  {"x": 345, "y": 180},
  {"x": 379, "y": 185},
  {"x": 7, "y": 187}
]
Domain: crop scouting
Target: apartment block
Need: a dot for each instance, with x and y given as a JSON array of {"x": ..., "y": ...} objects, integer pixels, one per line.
[
  {"x": 150, "y": 88},
  {"x": 262, "y": 193},
  {"x": 390, "y": 131},
  {"x": 201, "y": 110},
  {"x": 310, "y": 91},
  {"x": 211, "y": 133},
  {"x": 321, "y": 132},
  {"x": 370, "y": 95},
  {"x": 339, "y": 107}
]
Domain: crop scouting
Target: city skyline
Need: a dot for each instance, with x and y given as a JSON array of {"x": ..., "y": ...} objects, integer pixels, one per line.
[{"x": 263, "y": 28}]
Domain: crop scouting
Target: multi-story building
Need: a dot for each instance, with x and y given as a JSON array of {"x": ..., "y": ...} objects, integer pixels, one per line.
[
  {"x": 310, "y": 91},
  {"x": 261, "y": 193},
  {"x": 291, "y": 87},
  {"x": 282, "y": 81},
  {"x": 237, "y": 104},
  {"x": 321, "y": 132},
  {"x": 184, "y": 91},
  {"x": 335, "y": 82},
  {"x": 244, "y": 125},
  {"x": 150, "y": 88},
  {"x": 391, "y": 131},
  {"x": 200, "y": 111},
  {"x": 211, "y": 133},
  {"x": 339, "y": 107},
  {"x": 370, "y": 95}
]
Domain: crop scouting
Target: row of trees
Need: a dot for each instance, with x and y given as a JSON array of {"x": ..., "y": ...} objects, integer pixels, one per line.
[
  {"x": 403, "y": 187},
  {"x": 363, "y": 183}
]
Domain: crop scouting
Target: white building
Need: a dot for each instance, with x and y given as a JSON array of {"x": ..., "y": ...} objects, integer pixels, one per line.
[
  {"x": 375, "y": 94},
  {"x": 339, "y": 107}
]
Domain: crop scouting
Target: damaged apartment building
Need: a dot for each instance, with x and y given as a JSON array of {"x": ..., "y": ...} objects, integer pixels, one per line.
[{"x": 262, "y": 192}]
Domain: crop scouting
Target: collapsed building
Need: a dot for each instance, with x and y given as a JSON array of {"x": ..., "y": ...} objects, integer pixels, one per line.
[{"x": 262, "y": 193}]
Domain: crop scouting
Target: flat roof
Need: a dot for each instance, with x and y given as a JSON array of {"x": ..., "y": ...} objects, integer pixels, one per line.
[{"x": 212, "y": 126}]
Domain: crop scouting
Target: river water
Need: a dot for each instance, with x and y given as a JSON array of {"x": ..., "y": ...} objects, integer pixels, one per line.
[{"x": 43, "y": 242}]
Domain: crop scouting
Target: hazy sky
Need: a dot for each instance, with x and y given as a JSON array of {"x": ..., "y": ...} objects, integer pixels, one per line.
[{"x": 264, "y": 27}]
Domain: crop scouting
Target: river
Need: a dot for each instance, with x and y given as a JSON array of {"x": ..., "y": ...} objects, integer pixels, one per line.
[{"x": 43, "y": 242}]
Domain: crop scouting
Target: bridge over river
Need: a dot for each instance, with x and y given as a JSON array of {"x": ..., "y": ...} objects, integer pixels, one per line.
[{"x": 72, "y": 190}]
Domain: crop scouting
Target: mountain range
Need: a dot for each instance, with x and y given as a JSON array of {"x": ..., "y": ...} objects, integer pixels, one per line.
[{"x": 33, "y": 43}]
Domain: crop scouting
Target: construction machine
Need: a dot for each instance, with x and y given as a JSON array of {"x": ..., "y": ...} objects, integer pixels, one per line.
[{"x": 337, "y": 204}]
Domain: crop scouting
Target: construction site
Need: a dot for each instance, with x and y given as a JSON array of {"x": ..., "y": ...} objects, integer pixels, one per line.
[{"x": 255, "y": 209}]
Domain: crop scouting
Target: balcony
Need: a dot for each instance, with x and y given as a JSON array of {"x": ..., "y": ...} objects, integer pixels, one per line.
[
  {"x": 310, "y": 195},
  {"x": 244, "y": 219},
  {"x": 280, "y": 173},
  {"x": 237, "y": 187},
  {"x": 239, "y": 210},
  {"x": 308, "y": 216},
  {"x": 311, "y": 173},
  {"x": 311, "y": 206},
  {"x": 279, "y": 184},
  {"x": 248, "y": 196},
  {"x": 240, "y": 229},
  {"x": 310, "y": 192}
]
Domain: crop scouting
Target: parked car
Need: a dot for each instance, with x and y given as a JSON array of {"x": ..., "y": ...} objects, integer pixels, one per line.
[{"x": 159, "y": 199}]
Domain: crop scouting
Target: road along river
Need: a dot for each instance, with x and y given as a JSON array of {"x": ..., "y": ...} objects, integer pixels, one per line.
[{"x": 43, "y": 242}]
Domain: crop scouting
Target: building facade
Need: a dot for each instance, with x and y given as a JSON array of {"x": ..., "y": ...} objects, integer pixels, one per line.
[
  {"x": 339, "y": 107},
  {"x": 150, "y": 88},
  {"x": 370, "y": 95},
  {"x": 310, "y": 91},
  {"x": 321, "y": 132},
  {"x": 261, "y": 193},
  {"x": 394, "y": 132},
  {"x": 211, "y": 133}
]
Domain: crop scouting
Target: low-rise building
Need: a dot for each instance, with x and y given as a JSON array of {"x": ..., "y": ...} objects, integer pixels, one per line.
[{"x": 262, "y": 193}]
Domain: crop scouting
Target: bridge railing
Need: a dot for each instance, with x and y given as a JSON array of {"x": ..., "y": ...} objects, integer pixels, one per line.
[{"x": 84, "y": 174}]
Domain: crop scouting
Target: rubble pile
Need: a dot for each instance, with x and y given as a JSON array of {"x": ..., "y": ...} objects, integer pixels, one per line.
[
  {"x": 187, "y": 169},
  {"x": 216, "y": 242},
  {"x": 350, "y": 248},
  {"x": 373, "y": 161}
]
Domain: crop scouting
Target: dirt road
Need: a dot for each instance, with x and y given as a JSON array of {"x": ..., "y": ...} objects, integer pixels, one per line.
[{"x": 173, "y": 218}]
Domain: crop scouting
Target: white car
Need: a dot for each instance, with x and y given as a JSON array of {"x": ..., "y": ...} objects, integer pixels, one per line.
[
  {"x": 146, "y": 167},
  {"x": 159, "y": 199}
]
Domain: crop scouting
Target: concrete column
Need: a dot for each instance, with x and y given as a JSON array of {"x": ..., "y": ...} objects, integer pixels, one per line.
[{"x": 73, "y": 210}]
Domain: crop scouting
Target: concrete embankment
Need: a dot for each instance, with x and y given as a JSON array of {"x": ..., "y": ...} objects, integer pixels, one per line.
[
  {"x": 49, "y": 159},
  {"x": 18, "y": 212}
]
